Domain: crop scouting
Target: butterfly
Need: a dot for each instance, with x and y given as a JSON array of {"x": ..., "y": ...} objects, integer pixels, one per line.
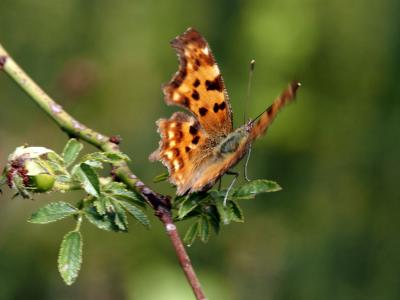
[{"x": 200, "y": 147}]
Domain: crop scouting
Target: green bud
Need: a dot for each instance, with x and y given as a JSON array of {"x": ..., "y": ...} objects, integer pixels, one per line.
[
  {"x": 43, "y": 182},
  {"x": 35, "y": 170}
]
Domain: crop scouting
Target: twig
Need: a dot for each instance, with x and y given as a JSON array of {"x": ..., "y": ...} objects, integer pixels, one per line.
[{"x": 73, "y": 128}]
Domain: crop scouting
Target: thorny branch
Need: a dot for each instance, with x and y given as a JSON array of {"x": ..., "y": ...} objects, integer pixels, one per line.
[{"x": 159, "y": 203}]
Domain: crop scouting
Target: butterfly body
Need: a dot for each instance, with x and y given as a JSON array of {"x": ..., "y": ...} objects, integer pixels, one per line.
[
  {"x": 199, "y": 148},
  {"x": 234, "y": 141}
]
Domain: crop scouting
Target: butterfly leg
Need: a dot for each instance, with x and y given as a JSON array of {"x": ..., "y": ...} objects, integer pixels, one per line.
[
  {"x": 246, "y": 163},
  {"x": 231, "y": 185},
  {"x": 219, "y": 184}
]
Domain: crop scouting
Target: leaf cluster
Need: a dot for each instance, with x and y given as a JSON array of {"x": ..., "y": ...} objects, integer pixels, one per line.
[
  {"x": 106, "y": 205},
  {"x": 209, "y": 210}
]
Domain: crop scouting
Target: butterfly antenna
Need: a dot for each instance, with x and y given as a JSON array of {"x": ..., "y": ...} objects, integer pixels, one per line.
[
  {"x": 287, "y": 95},
  {"x": 251, "y": 71},
  {"x": 255, "y": 119}
]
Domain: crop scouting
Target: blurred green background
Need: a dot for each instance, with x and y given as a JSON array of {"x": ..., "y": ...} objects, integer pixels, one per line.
[{"x": 332, "y": 233}]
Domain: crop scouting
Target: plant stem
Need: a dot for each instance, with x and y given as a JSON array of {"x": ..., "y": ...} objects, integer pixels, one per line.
[
  {"x": 184, "y": 259},
  {"x": 73, "y": 128}
]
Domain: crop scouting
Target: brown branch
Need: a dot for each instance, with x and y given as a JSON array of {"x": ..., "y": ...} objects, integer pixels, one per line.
[
  {"x": 159, "y": 203},
  {"x": 184, "y": 259}
]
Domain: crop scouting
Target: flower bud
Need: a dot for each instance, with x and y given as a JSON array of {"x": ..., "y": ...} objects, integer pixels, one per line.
[{"x": 33, "y": 169}]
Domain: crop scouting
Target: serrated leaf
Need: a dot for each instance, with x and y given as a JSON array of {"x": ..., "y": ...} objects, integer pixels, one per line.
[
  {"x": 100, "y": 205},
  {"x": 223, "y": 211},
  {"x": 191, "y": 234},
  {"x": 118, "y": 191},
  {"x": 186, "y": 207},
  {"x": 100, "y": 221},
  {"x": 252, "y": 188},
  {"x": 237, "y": 213},
  {"x": 106, "y": 157},
  {"x": 53, "y": 212},
  {"x": 71, "y": 151},
  {"x": 217, "y": 194},
  {"x": 89, "y": 179},
  {"x": 177, "y": 201},
  {"x": 54, "y": 157},
  {"x": 70, "y": 257},
  {"x": 204, "y": 229},
  {"x": 94, "y": 164},
  {"x": 120, "y": 218},
  {"x": 117, "y": 156},
  {"x": 136, "y": 213},
  {"x": 190, "y": 203},
  {"x": 161, "y": 177},
  {"x": 214, "y": 218}
]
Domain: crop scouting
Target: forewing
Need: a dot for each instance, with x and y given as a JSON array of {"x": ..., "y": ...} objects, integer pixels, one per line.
[{"x": 198, "y": 85}]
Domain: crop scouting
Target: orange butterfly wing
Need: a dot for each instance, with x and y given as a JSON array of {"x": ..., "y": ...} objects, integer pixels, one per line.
[
  {"x": 187, "y": 142},
  {"x": 198, "y": 85},
  {"x": 182, "y": 149}
]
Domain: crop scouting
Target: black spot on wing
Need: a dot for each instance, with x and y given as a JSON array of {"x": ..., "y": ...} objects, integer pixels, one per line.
[
  {"x": 203, "y": 111},
  {"x": 218, "y": 107},
  {"x": 185, "y": 101},
  {"x": 214, "y": 85},
  {"x": 196, "y": 140},
  {"x": 195, "y": 95},
  {"x": 193, "y": 130}
]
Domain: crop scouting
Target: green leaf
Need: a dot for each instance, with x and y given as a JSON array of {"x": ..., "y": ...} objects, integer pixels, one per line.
[
  {"x": 106, "y": 157},
  {"x": 136, "y": 213},
  {"x": 191, "y": 234},
  {"x": 186, "y": 207},
  {"x": 161, "y": 177},
  {"x": 251, "y": 189},
  {"x": 71, "y": 151},
  {"x": 214, "y": 218},
  {"x": 100, "y": 205},
  {"x": 100, "y": 221},
  {"x": 120, "y": 218},
  {"x": 223, "y": 211},
  {"x": 94, "y": 164},
  {"x": 217, "y": 194},
  {"x": 236, "y": 211},
  {"x": 89, "y": 179},
  {"x": 53, "y": 212},
  {"x": 204, "y": 229},
  {"x": 118, "y": 191},
  {"x": 190, "y": 203},
  {"x": 70, "y": 257}
]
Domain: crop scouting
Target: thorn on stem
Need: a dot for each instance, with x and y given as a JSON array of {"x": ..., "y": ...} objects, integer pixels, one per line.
[
  {"x": 116, "y": 139},
  {"x": 3, "y": 60},
  {"x": 113, "y": 174}
]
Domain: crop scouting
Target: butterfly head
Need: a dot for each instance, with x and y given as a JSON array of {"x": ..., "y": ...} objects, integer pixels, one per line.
[{"x": 249, "y": 125}]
